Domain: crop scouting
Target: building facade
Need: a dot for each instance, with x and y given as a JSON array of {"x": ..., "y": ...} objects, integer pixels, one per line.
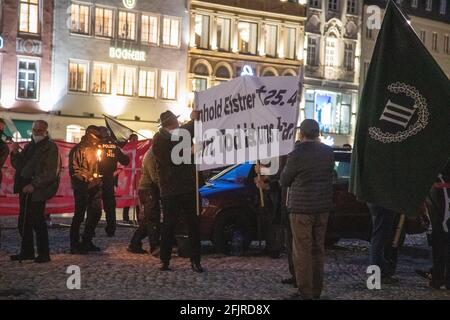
[
  {"x": 25, "y": 62},
  {"x": 332, "y": 61},
  {"x": 429, "y": 18},
  {"x": 123, "y": 58},
  {"x": 231, "y": 37}
]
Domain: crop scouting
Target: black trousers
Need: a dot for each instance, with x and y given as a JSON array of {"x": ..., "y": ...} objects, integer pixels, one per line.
[
  {"x": 32, "y": 218},
  {"x": 86, "y": 200},
  {"x": 173, "y": 208},
  {"x": 440, "y": 240},
  {"x": 150, "y": 225},
  {"x": 109, "y": 203}
]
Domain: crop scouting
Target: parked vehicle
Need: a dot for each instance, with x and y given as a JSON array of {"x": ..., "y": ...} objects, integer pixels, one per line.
[{"x": 230, "y": 203}]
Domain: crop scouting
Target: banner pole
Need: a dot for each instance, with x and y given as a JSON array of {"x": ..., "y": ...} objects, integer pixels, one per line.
[
  {"x": 398, "y": 231},
  {"x": 197, "y": 191}
]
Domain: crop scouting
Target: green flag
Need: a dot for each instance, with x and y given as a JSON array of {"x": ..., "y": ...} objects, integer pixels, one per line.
[{"x": 402, "y": 138}]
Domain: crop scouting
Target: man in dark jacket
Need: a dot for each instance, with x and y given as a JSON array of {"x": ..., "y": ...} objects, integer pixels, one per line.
[
  {"x": 111, "y": 155},
  {"x": 86, "y": 184},
  {"x": 4, "y": 150},
  {"x": 35, "y": 181},
  {"x": 177, "y": 187},
  {"x": 309, "y": 175}
]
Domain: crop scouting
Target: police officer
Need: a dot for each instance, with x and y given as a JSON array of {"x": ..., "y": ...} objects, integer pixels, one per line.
[
  {"x": 111, "y": 155},
  {"x": 86, "y": 184}
]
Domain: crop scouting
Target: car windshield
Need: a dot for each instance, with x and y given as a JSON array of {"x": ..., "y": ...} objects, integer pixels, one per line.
[{"x": 235, "y": 174}]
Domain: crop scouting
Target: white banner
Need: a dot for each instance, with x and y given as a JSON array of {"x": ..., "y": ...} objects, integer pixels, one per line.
[{"x": 246, "y": 119}]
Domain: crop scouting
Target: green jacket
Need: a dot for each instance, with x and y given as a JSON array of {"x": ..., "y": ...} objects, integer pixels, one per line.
[
  {"x": 38, "y": 164},
  {"x": 149, "y": 175}
]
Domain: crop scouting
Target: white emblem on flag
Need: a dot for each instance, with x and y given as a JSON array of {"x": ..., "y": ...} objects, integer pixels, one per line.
[{"x": 402, "y": 115}]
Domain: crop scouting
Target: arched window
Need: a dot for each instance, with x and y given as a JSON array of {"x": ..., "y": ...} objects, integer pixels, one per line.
[
  {"x": 201, "y": 70},
  {"x": 268, "y": 74},
  {"x": 74, "y": 133},
  {"x": 223, "y": 72}
]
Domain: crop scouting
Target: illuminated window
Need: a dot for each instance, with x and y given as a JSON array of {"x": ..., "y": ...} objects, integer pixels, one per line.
[
  {"x": 126, "y": 78},
  {"x": 349, "y": 57},
  {"x": 101, "y": 78},
  {"x": 443, "y": 7},
  {"x": 104, "y": 22},
  {"x": 168, "y": 84},
  {"x": 29, "y": 16},
  {"x": 202, "y": 31},
  {"x": 78, "y": 76},
  {"x": 333, "y": 5},
  {"x": 271, "y": 40},
  {"x": 147, "y": 83},
  {"x": 351, "y": 6},
  {"x": 28, "y": 79},
  {"x": 415, "y": 3},
  {"x": 331, "y": 110},
  {"x": 80, "y": 18},
  {"x": 171, "y": 32},
  {"x": 434, "y": 43},
  {"x": 127, "y": 25},
  {"x": 289, "y": 48},
  {"x": 199, "y": 84},
  {"x": 330, "y": 52},
  {"x": 223, "y": 34},
  {"x": 74, "y": 133},
  {"x": 429, "y": 5},
  {"x": 247, "y": 37},
  {"x": 311, "y": 58},
  {"x": 149, "y": 32},
  {"x": 446, "y": 44}
]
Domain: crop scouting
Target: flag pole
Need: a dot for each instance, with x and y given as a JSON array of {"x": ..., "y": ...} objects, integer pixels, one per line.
[
  {"x": 398, "y": 231},
  {"x": 114, "y": 120}
]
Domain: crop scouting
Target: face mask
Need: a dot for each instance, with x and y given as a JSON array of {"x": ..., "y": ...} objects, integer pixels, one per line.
[{"x": 38, "y": 139}]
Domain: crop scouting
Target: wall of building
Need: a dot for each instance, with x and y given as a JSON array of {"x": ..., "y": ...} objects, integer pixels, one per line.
[
  {"x": 208, "y": 62},
  {"x": 91, "y": 48},
  {"x": 331, "y": 83},
  {"x": 18, "y": 45},
  {"x": 421, "y": 20}
]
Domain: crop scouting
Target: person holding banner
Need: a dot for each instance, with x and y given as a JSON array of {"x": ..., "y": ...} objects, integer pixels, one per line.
[
  {"x": 4, "y": 150},
  {"x": 309, "y": 175},
  {"x": 177, "y": 187},
  {"x": 36, "y": 181}
]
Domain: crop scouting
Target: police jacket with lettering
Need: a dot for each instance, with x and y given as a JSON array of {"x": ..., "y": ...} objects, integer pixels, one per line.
[
  {"x": 309, "y": 175},
  {"x": 174, "y": 179},
  {"x": 111, "y": 155},
  {"x": 83, "y": 164}
]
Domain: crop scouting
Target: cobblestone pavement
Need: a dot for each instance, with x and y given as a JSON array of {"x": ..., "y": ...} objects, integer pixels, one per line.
[{"x": 117, "y": 274}]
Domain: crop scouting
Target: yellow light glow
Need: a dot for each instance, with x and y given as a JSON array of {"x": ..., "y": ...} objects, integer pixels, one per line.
[
  {"x": 99, "y": 155},
  {"x": 113, "y": 105}
]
